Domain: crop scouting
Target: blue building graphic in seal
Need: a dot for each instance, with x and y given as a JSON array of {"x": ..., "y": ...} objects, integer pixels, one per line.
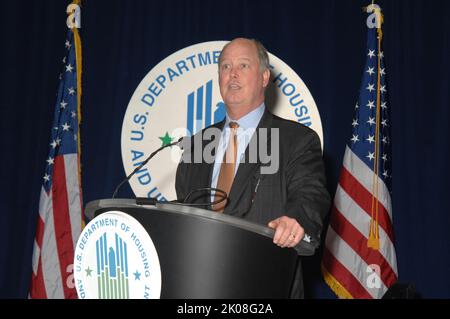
[
  {"x": 112, "y": 269},
  {"x": 199, "y": 109}
]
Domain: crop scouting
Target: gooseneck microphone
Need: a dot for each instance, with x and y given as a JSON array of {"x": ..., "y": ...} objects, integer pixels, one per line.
[{"x": 178, "y": 142}]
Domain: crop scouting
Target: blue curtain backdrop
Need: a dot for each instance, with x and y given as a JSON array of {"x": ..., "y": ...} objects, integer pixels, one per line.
[{"x": 324, "y": 41}]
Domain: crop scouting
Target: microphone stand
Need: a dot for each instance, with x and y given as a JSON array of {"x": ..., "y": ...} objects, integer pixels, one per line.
[{"x": 143, "y": 163}]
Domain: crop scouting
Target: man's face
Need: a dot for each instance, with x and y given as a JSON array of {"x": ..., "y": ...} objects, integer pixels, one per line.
[{"x": 240, "y": 79}]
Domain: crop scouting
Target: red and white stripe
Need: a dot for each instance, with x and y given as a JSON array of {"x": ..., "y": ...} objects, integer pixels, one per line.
[
  {"x": 346, "y": 256},
  {"x": 59, "y": 225}
]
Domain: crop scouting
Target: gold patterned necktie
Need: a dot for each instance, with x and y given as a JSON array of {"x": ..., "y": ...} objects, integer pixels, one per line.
[{"x": 227, "y": 168}]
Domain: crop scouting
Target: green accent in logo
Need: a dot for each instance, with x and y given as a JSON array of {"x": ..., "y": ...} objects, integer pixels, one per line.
[
  {"x": 88, "y": 271},
  {"x": 166, "y": 139}
]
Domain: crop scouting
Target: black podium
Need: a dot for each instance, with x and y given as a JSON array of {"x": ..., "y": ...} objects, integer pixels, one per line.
[{"x": 204, "y": 254}]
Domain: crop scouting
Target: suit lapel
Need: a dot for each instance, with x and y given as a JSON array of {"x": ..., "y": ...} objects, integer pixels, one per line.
[{"x": 209, "y": 167}]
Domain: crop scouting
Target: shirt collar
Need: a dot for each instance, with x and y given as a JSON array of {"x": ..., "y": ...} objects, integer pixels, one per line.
[{"x": 250, "y": 120}]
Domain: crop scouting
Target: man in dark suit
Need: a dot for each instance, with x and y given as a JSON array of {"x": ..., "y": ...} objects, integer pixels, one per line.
[{"x": 286, "y": 193}]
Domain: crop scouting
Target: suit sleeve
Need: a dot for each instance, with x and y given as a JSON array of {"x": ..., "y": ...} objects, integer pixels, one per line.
[{"x": 307, "y": 197}]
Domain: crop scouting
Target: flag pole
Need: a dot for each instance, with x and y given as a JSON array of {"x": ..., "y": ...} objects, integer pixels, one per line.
[
  {"x": 78, "y": 57},
  {"x": 374, "y": 239},
  {"x": 79, "y": 70}
]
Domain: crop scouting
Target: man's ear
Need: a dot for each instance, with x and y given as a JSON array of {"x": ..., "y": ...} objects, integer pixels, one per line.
[{"x": 266, "y": 77}]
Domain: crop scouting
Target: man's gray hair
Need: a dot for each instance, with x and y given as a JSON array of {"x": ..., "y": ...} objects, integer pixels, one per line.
[{"x": 263, "y": 56}]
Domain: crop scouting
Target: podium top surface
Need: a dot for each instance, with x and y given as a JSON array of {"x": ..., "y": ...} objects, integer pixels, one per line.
[{"x": 303, "y": 248}]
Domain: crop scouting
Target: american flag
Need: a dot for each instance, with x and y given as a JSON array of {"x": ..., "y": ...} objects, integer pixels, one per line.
[
  {"x": 359, "y": 259},
  {"x": 60, "y": 207}
]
